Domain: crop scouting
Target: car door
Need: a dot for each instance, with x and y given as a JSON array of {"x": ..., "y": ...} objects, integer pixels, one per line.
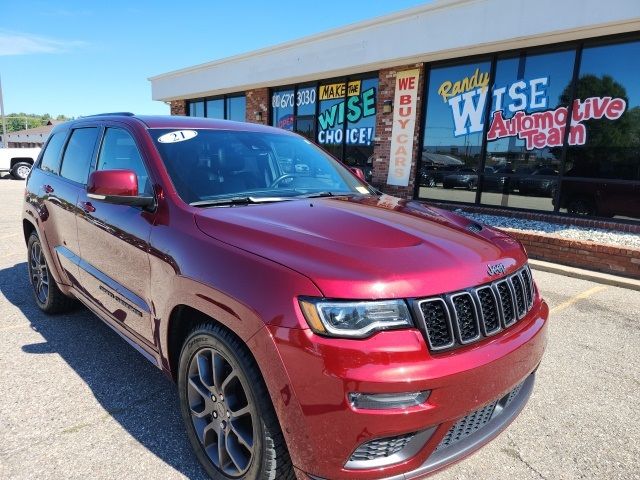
[
  {"x": 59, "y": 180},
  {"x": 114, "y": 241}
]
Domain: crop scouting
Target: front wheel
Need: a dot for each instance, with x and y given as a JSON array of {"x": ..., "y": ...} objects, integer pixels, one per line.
[
  {"x": 225, "y": 405},
  {"x": 20, "y": 171}
]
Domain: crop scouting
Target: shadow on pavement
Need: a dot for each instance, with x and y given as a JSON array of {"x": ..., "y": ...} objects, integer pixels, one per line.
[{"x": 134, "y": 392}]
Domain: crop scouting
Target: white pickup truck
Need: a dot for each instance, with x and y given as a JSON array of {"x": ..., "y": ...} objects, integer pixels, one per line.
[{"x": 18, "y": 161}]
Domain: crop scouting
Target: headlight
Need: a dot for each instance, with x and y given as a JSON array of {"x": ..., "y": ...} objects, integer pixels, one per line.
[{"x": 355, "y": 319}]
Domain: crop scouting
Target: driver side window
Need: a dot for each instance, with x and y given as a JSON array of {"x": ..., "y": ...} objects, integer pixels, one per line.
[{"x": 118, "y": 152}]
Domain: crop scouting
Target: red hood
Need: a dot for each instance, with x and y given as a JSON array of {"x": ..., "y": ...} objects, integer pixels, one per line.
[{"x": 366, "y": 247}]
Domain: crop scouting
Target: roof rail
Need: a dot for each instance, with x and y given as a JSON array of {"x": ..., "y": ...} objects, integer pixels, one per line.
[{"x": 111, "y": 114}]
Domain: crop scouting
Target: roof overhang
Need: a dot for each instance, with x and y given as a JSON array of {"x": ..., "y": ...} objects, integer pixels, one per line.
[{"x": 441, "y": 30}]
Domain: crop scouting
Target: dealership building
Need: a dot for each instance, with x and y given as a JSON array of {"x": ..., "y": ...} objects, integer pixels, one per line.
[{"x": 489, "y": 104}]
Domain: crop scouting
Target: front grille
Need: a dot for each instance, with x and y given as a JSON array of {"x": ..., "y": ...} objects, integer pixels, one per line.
[
  {"x": 467, "y": 425},
  {"x": 381, "y": 447},
  {"x": 528, "y": 286},
  {"x": 466, "y": 317},
  {"x": 476, "y": 420},
  {"x": 438, "y": 325},
  {"x": 518, "y": 290},
  {"x": 490, "y": 312},
  {"x": 460, "y": 318},
  {"x": 506, "y": 302}
]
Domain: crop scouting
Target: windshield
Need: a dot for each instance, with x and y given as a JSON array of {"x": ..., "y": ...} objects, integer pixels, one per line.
[{"x": 211, "y": 165}]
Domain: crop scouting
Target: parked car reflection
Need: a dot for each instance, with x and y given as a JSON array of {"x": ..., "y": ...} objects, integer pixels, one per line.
[
  {"x": 463, "y": 178},
  {"x": 535, "y": 184}
]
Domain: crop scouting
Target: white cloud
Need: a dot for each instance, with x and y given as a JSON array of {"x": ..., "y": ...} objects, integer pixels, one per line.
[{"x": 14, "y": 43}]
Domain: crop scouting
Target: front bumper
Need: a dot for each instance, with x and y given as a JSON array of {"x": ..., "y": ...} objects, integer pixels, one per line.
[{"x": 321, "y": 372}]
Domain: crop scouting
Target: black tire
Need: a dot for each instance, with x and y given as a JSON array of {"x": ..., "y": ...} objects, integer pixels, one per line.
[
  {"x": 20, "y": 170},
  {"x": 211, "y": 345},
  {"x": 48, "y": 296}
]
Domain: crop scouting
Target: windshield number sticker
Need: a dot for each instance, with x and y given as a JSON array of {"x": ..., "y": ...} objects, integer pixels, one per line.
[{"x": 177, "y": 136}]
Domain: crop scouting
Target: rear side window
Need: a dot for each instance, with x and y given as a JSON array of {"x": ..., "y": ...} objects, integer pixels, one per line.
[
  {"x": 51, "y": 156},
  {"x": 119, "y": 152},
  {"x": 77, "y": 156}
]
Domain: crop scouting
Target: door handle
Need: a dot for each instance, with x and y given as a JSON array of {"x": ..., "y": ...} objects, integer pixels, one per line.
[
  {"x": 87, "y": 207},
  {"x": 47, "y": 188}
]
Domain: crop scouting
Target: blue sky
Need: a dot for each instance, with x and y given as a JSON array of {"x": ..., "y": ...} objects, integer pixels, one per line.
[{"x": 83, "y": 57}]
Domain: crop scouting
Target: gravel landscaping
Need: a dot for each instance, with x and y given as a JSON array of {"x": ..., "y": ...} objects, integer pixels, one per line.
[{"x": 597, "y": 235}]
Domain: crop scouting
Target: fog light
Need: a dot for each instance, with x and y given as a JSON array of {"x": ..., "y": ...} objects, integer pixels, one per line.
[{"x": 386, "y": 401}]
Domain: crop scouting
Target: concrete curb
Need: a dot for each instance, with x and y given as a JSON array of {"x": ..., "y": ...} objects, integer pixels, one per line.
[{"x": 598, "y": 277}]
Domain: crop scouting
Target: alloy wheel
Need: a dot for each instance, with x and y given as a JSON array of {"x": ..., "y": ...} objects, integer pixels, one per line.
[
  {"x": 23, "y": 171},
  {"x": 38, "y": 272},
  {"x": 221, "y": 412}
]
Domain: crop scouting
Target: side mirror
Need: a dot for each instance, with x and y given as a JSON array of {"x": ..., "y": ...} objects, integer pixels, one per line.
[
  {"x": 358, "y": 173},
  {"x": 117, "y": 186}
]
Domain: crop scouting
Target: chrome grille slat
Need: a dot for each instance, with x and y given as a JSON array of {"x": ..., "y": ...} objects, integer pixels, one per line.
[{"x": 464, "y": 317}]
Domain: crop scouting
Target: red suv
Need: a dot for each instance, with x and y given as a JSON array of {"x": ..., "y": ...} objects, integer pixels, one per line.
[{"x": 315, "y": 328}]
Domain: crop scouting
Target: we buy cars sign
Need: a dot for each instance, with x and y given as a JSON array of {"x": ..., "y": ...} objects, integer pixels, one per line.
[{"x": 404, "y": 121}]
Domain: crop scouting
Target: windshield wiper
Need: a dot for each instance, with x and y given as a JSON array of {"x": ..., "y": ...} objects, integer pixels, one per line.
[{"x": 237, "y": 201}]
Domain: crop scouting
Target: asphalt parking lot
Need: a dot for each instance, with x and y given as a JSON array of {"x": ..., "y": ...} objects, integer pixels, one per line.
[{"x": 78, "y": 402}]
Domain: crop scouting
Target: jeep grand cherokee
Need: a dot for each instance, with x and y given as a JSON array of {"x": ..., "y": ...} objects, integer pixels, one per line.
[{"x": 315, "y": 328}]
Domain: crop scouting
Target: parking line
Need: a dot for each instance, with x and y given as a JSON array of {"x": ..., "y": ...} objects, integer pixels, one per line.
[{"x": 577, "y": 298}]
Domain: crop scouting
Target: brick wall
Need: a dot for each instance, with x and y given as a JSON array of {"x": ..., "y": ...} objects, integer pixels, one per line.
[
  {"x": 178, "y": 107},
  {"x": 257, "y": 101},
  {"x": 582, "y": 254},
  {"x": 384, "y": 121}
]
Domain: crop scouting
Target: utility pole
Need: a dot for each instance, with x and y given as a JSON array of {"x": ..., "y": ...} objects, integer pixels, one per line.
[{"x": 4, "y": 121}]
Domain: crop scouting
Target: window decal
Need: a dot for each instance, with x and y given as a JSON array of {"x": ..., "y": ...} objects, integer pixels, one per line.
[{"x": 177, "y": 136}]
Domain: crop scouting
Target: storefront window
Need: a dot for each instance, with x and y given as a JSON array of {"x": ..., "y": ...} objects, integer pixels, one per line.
[
  {"x": 606, "y": 112},
  {"x": 528, "y": 159},
  {"x": 526, "y": 131},
  {"x": 306, "y": 112},
  {"x": 224, "y": 107},
  {"x": 452, "y": 146},
  {"x": 346, "y": 120},
  {"x": 331, "y": 115},
  {"x": 282, "y": 102},
  {"x": 215, "y": 108},
  {"x": 236, "y": 108},
  {"x": 361, "y": 127},
  {"x": 196, "y": 108}
]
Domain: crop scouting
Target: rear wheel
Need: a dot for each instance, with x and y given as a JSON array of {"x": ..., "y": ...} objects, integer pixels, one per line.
[
  {"x": 225, "y": 405},
  {"x": 20, "y": 170},
  {"x": 45, "y": 289}
]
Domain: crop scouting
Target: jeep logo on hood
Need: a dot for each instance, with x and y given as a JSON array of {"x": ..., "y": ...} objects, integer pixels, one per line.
[{"x": 496, "y": 269}]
